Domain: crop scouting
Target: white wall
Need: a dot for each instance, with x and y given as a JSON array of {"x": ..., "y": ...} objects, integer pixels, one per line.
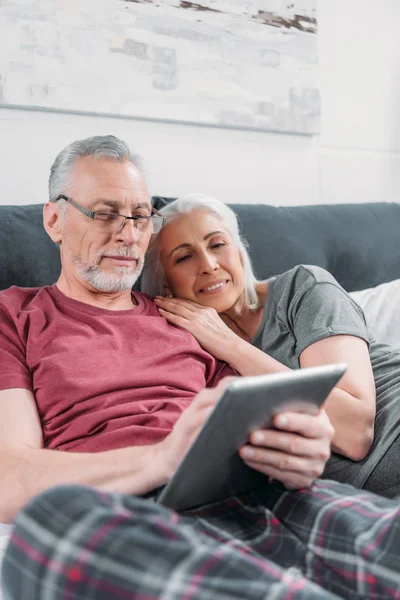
[
  {"x": 234, "y": 166},
  {"x": 359, "y": 150},
  {"x": 357, "y": 157}
]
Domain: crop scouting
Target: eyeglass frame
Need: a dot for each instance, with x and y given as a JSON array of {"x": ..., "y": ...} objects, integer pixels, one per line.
[{"x": 92, "y": 214}]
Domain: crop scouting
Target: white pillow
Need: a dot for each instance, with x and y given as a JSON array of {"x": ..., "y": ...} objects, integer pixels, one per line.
[{"x": 381, "y": 306}]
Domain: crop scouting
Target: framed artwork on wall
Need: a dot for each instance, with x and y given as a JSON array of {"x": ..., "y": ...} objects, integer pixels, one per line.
[{"x": 222, "y": 63}]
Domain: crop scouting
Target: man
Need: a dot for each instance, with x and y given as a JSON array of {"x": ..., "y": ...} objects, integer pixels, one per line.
[{"x": 98, "y": 389}]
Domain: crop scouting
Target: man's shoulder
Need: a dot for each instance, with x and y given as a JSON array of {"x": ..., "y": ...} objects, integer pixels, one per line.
[
  {"x": 147, "y": 303},
  {"x": 16, "y": 297},
  {"x": 145, "y": 297}
]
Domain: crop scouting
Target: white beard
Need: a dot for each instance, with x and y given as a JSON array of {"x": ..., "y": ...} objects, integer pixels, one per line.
[
  {"x": 109, "y": 282},
  {"x": 118, "y": 281}
]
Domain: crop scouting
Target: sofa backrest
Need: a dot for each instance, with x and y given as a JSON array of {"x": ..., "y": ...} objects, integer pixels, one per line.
[
  {"x": 358, "y": 243},
  {"x": 28, "y": 257}
]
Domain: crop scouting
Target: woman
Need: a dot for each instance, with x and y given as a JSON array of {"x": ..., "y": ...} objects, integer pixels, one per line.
[{"x": 301, "y": 318}]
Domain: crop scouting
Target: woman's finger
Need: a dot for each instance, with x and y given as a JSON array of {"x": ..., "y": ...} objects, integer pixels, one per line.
[
  {"x": 175, "y": 319},
  {"x": 180, "y": 300},
  {"x": 177, "y": 304},
  {"x": 175, "y": 308}
]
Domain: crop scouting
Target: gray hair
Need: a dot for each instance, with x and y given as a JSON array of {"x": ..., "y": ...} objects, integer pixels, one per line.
[
  {"x": 153, "y": 276},
  {"x": 98, "y": 146}
]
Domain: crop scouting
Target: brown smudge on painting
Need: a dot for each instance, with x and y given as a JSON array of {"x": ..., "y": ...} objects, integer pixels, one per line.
[
  {"x": 140, "y": 1},
  {"x": 182, "y": 4},
  {"x": 300, "y": 22},
  {"x": 195, "y": 6}
]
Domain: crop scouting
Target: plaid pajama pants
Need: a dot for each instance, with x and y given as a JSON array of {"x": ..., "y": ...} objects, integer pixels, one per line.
[{"x": 328, "y": 542}]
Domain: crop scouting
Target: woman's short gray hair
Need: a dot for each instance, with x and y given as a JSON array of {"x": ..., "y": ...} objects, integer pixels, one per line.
[
  {"x": 98, "y": 146},
  {"x": 153, "y": 278}
]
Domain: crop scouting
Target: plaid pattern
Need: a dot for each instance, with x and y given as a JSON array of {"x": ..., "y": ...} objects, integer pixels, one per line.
[{"x": 331, "y": 541}]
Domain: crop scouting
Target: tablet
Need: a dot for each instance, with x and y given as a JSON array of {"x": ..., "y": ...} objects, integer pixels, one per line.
[{"x": 212, "y": 468}]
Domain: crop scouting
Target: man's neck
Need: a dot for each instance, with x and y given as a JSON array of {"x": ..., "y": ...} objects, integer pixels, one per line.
[{"x": 108, "y": 300}]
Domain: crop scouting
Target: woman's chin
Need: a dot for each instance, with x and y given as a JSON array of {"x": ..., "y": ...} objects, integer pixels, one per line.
[{"x": 220, "y": 304}]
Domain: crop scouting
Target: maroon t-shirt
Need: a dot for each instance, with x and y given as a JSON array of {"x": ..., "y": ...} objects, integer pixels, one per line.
[{"x": 102, "y": 379}]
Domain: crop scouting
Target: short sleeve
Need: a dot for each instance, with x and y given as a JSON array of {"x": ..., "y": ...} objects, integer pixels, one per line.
[
  {"x": 321, "y": 309},
  {"x": 14, "y": 372}
]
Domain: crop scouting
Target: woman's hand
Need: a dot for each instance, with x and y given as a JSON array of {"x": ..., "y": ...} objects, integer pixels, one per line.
[
  {"x": 202, "y": 322},
  {"x": 295, "y": 452}
]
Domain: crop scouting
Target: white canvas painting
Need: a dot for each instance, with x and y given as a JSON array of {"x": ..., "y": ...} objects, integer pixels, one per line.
[{"x": 224, "y": 63}]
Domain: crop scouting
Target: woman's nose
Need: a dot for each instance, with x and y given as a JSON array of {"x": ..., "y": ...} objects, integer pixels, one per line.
[{"x": 208, "y": 263}]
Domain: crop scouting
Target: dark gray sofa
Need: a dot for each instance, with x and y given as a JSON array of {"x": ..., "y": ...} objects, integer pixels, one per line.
[{"x": 358, "y": 243}]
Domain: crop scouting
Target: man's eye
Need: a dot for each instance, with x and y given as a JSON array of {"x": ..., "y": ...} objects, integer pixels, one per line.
[
  {"x": 108, "y": 217},
  {"x": 139, "y": 216}
]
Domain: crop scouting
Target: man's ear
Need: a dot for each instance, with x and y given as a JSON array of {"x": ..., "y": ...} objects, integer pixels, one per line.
[{"x": 53, "y": 221}]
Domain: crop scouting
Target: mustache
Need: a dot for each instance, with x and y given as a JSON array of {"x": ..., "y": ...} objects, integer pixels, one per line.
[{"x": 124, "y": 251}]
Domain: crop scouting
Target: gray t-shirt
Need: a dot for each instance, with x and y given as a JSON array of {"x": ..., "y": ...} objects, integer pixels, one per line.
[{"x": 305, "y": 305}]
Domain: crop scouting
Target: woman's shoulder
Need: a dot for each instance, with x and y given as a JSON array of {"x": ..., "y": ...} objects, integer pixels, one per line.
[
  {"x": 301, "y": 277},
  {"x": 306, "y": 272}
]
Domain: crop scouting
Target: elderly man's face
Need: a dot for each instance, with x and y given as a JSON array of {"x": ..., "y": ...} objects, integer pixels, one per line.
[{"x": 100, "y": 258}]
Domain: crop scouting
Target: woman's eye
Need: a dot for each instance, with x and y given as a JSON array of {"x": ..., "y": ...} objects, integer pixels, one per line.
[
  {"x": 182, "y": 258},
  {"x": 218, "y": 245}
]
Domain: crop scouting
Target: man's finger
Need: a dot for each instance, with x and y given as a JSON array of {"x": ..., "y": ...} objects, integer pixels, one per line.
[
  {"x": 207, "y": 397},
  {"x": 289, "y": 443},
  {"x": 224, "y": 382},
  {"x": 292, "y": 481},
  {"x": 293, "y": 469},
  {"x": 309, "y": 426},
  {"x": 280, "y": 460}
]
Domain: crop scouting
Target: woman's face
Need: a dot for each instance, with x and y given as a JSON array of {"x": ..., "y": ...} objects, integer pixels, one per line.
[{"x": 200, "y": 261}]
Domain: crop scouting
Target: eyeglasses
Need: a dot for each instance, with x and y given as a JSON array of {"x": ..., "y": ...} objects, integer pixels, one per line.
[{"x": 114, "y": 222}]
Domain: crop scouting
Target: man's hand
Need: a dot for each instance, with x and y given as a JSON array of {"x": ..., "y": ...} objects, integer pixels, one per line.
[
  {"x": 174, "y": 447},
  {"x": 295, "y": 452}
]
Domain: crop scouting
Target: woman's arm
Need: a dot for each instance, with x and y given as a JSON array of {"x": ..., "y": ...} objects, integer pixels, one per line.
[{"x": 350, "y": 406}]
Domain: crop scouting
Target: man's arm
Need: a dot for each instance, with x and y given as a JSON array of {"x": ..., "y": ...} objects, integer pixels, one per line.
[{"x": 26, "y": 468}]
